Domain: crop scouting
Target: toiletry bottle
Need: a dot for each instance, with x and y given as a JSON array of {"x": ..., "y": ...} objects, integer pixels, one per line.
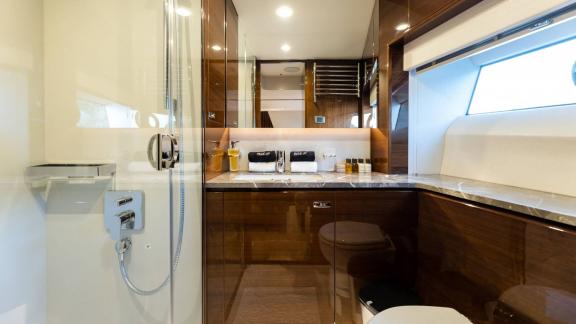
[
  {"x": 233, "y": 156},
  {"x": 215, "y": 157},
  {"x": 368, "y": 166},
  {"x": 348, "y": 166},
  {"x": 354, "y": 165},
  {"x": 361, "y": 168}
]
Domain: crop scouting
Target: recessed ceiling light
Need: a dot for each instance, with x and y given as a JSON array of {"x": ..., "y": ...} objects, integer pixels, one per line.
[
  {"x": 292, "y": 69},
  {"x": 217, "y": 48},
  {"x": 183, "y": 11},
  {"x": 402, "y": 26},
  {"x": 284, "y": 12},
  {"x": 285, "y": 48}
]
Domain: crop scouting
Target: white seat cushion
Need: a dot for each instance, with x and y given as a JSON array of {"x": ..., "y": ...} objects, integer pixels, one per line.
[{"x": 419, "y": 315}]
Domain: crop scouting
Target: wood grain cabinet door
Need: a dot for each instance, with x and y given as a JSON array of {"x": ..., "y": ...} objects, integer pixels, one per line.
[
  {"x": 548, "y": 294},
  {"x": 214, "y": 292},
  {"x": 468, "y": 255}
]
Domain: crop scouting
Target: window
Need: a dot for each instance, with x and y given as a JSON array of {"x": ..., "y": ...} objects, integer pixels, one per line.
[{"x": 541, "y": 78}]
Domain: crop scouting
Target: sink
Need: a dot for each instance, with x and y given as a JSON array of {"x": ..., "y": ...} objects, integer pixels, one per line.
[{"x": 278, "y": 177}]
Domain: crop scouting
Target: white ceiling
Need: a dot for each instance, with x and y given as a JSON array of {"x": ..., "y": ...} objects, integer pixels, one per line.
[
  {"x": 279, "y": 69},
  {"x": 319, "y": 29}
]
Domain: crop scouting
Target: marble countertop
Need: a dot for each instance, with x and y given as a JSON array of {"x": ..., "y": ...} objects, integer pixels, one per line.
[{"x": 544, "y": 205}]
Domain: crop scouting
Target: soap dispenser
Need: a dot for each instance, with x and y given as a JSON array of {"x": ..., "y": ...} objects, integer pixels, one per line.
[
  {"x": 215, "y": 157},
  {"x": 233, "y": 156}
]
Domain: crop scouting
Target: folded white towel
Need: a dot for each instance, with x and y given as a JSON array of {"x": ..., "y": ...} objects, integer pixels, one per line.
[
  {"x": 303, "y": 167},
  {"x": 261, "y": 166}
]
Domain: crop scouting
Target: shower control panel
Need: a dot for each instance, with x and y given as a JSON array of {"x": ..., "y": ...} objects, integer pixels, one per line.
[{"x": 123, "y": 213}]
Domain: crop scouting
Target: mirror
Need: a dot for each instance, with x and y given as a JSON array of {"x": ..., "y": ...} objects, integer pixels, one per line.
[{"x": 298, "y": 64}]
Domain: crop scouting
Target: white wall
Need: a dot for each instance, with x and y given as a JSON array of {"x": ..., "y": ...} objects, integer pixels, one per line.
[
  {"x": 345, "y": 143},
  {"x": 533, "y": 149},
  {"x": 59, "y": 264},
  {"x": 22, "y": 225},
  {"x": 486, "y": 19},
  {"x": 437, "y": 98},
  {"x": 287, "y": 119}
]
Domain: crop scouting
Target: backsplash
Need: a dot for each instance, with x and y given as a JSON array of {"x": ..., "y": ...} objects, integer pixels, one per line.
[{"x": 344, "y": 143}]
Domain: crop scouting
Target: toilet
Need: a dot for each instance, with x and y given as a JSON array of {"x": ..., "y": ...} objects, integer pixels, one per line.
[{"x": 419, "y": 315}]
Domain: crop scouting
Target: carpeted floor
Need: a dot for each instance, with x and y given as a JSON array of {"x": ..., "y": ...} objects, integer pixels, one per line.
[{"x": 278, "y": 305}]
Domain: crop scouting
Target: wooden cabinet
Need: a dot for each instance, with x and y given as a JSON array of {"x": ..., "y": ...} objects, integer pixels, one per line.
[
  {"x": 494, "y": 266},
  {"x": 301, "y": 244},
  {"x": 293, "y": 254}
]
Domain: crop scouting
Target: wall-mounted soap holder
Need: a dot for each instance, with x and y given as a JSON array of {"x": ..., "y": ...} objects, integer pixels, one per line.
[
  {"x": 55, "y": 170},
  {"x": 67, "y": 186}
]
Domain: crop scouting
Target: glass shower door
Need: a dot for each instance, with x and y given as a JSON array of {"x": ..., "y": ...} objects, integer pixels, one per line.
[{"x": 90, "y": 230}]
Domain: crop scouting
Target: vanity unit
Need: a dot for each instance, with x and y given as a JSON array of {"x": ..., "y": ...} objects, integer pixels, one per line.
[{"x": 494, "y": 253}]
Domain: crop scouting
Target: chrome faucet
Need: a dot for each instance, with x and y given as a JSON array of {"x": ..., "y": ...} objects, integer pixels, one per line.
[{"x": 280, "y": 161}]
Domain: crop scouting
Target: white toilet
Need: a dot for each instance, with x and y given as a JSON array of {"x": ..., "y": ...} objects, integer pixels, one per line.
[{"x": 419, "y": 315}]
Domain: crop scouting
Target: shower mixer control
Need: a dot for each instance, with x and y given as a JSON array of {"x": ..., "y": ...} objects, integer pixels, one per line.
[{"x": 123, "y": 213}]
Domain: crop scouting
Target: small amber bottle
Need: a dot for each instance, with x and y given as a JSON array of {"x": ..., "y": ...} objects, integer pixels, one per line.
[
  {"x": 348, "y": 166},
  {"x": 354, "y": 166}
]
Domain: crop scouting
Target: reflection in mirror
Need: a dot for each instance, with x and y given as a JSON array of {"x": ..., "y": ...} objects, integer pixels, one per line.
[
  {"x": 282, "y": 95},
  {"x": 300, "y": 64}
]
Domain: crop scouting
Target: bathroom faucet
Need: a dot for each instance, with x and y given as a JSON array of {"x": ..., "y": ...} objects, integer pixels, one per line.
[{"x": 280, "y": 161}]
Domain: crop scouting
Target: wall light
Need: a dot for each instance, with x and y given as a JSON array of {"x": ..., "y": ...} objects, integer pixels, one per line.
[
  {"x": 285, "y": 48},
  {"x": 402, "y": 26},
  {"x": 284, "y": 12},
  {"x": 217, "y": 48}
]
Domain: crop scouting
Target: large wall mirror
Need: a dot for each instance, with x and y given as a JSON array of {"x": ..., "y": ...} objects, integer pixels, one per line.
[{"x": 293, "y": 64}]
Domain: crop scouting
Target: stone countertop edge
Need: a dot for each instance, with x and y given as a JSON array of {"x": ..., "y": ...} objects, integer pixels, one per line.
[{"x": 544, "y": 205}]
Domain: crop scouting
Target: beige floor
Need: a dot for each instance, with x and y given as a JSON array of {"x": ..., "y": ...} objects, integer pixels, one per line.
[{"x": 283, "y": 294}]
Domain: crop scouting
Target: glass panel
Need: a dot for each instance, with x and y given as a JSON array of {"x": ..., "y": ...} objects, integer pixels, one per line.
[
  {"x": 187, "y": 177},
  {"x": 541, "y": 78},
  {"x": 375, "y": 254},
  {"x": 277, "y": 253},
  {"x": 82, "y": 91}
]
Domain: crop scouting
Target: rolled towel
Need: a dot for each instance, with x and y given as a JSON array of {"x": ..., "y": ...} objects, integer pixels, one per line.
[
  {"x": 302, "y": 156},
  {"x": 303, "y": 167},
  {"x": 266, "y": 156},
  {"x": 261, "y": 166}
]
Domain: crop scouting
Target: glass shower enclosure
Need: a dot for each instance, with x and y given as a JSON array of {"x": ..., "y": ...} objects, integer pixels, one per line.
[{"x": 101, "y": 178}]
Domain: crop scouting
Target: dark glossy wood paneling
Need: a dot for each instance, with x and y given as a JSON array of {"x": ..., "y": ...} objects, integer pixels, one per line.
[
  {"x": 339, "y": 110},
  {"x": 398, "y": 89},
  {"x": 426, "y": 15},
  {"x": 258, "y": 96},
  {"x": 548, "y": 294},
  {"x": 282, "y": 253},
  {"x": 280, "y": 226},
  {"x": 395, "y": 215},
  {"x": 468, "y": 256},
  {"x": 422, "y": 10},
  {"x": 231, "y": 65},
  {"x": 494, "y": 266},
  {"x": 214, "y": 62},
  {"x": 213, "y": 272}
]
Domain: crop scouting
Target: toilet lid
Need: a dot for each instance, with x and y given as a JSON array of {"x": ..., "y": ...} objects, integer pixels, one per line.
[
  {"x": 419, "y": 315},
  {"x": 352, "y": 233}
]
